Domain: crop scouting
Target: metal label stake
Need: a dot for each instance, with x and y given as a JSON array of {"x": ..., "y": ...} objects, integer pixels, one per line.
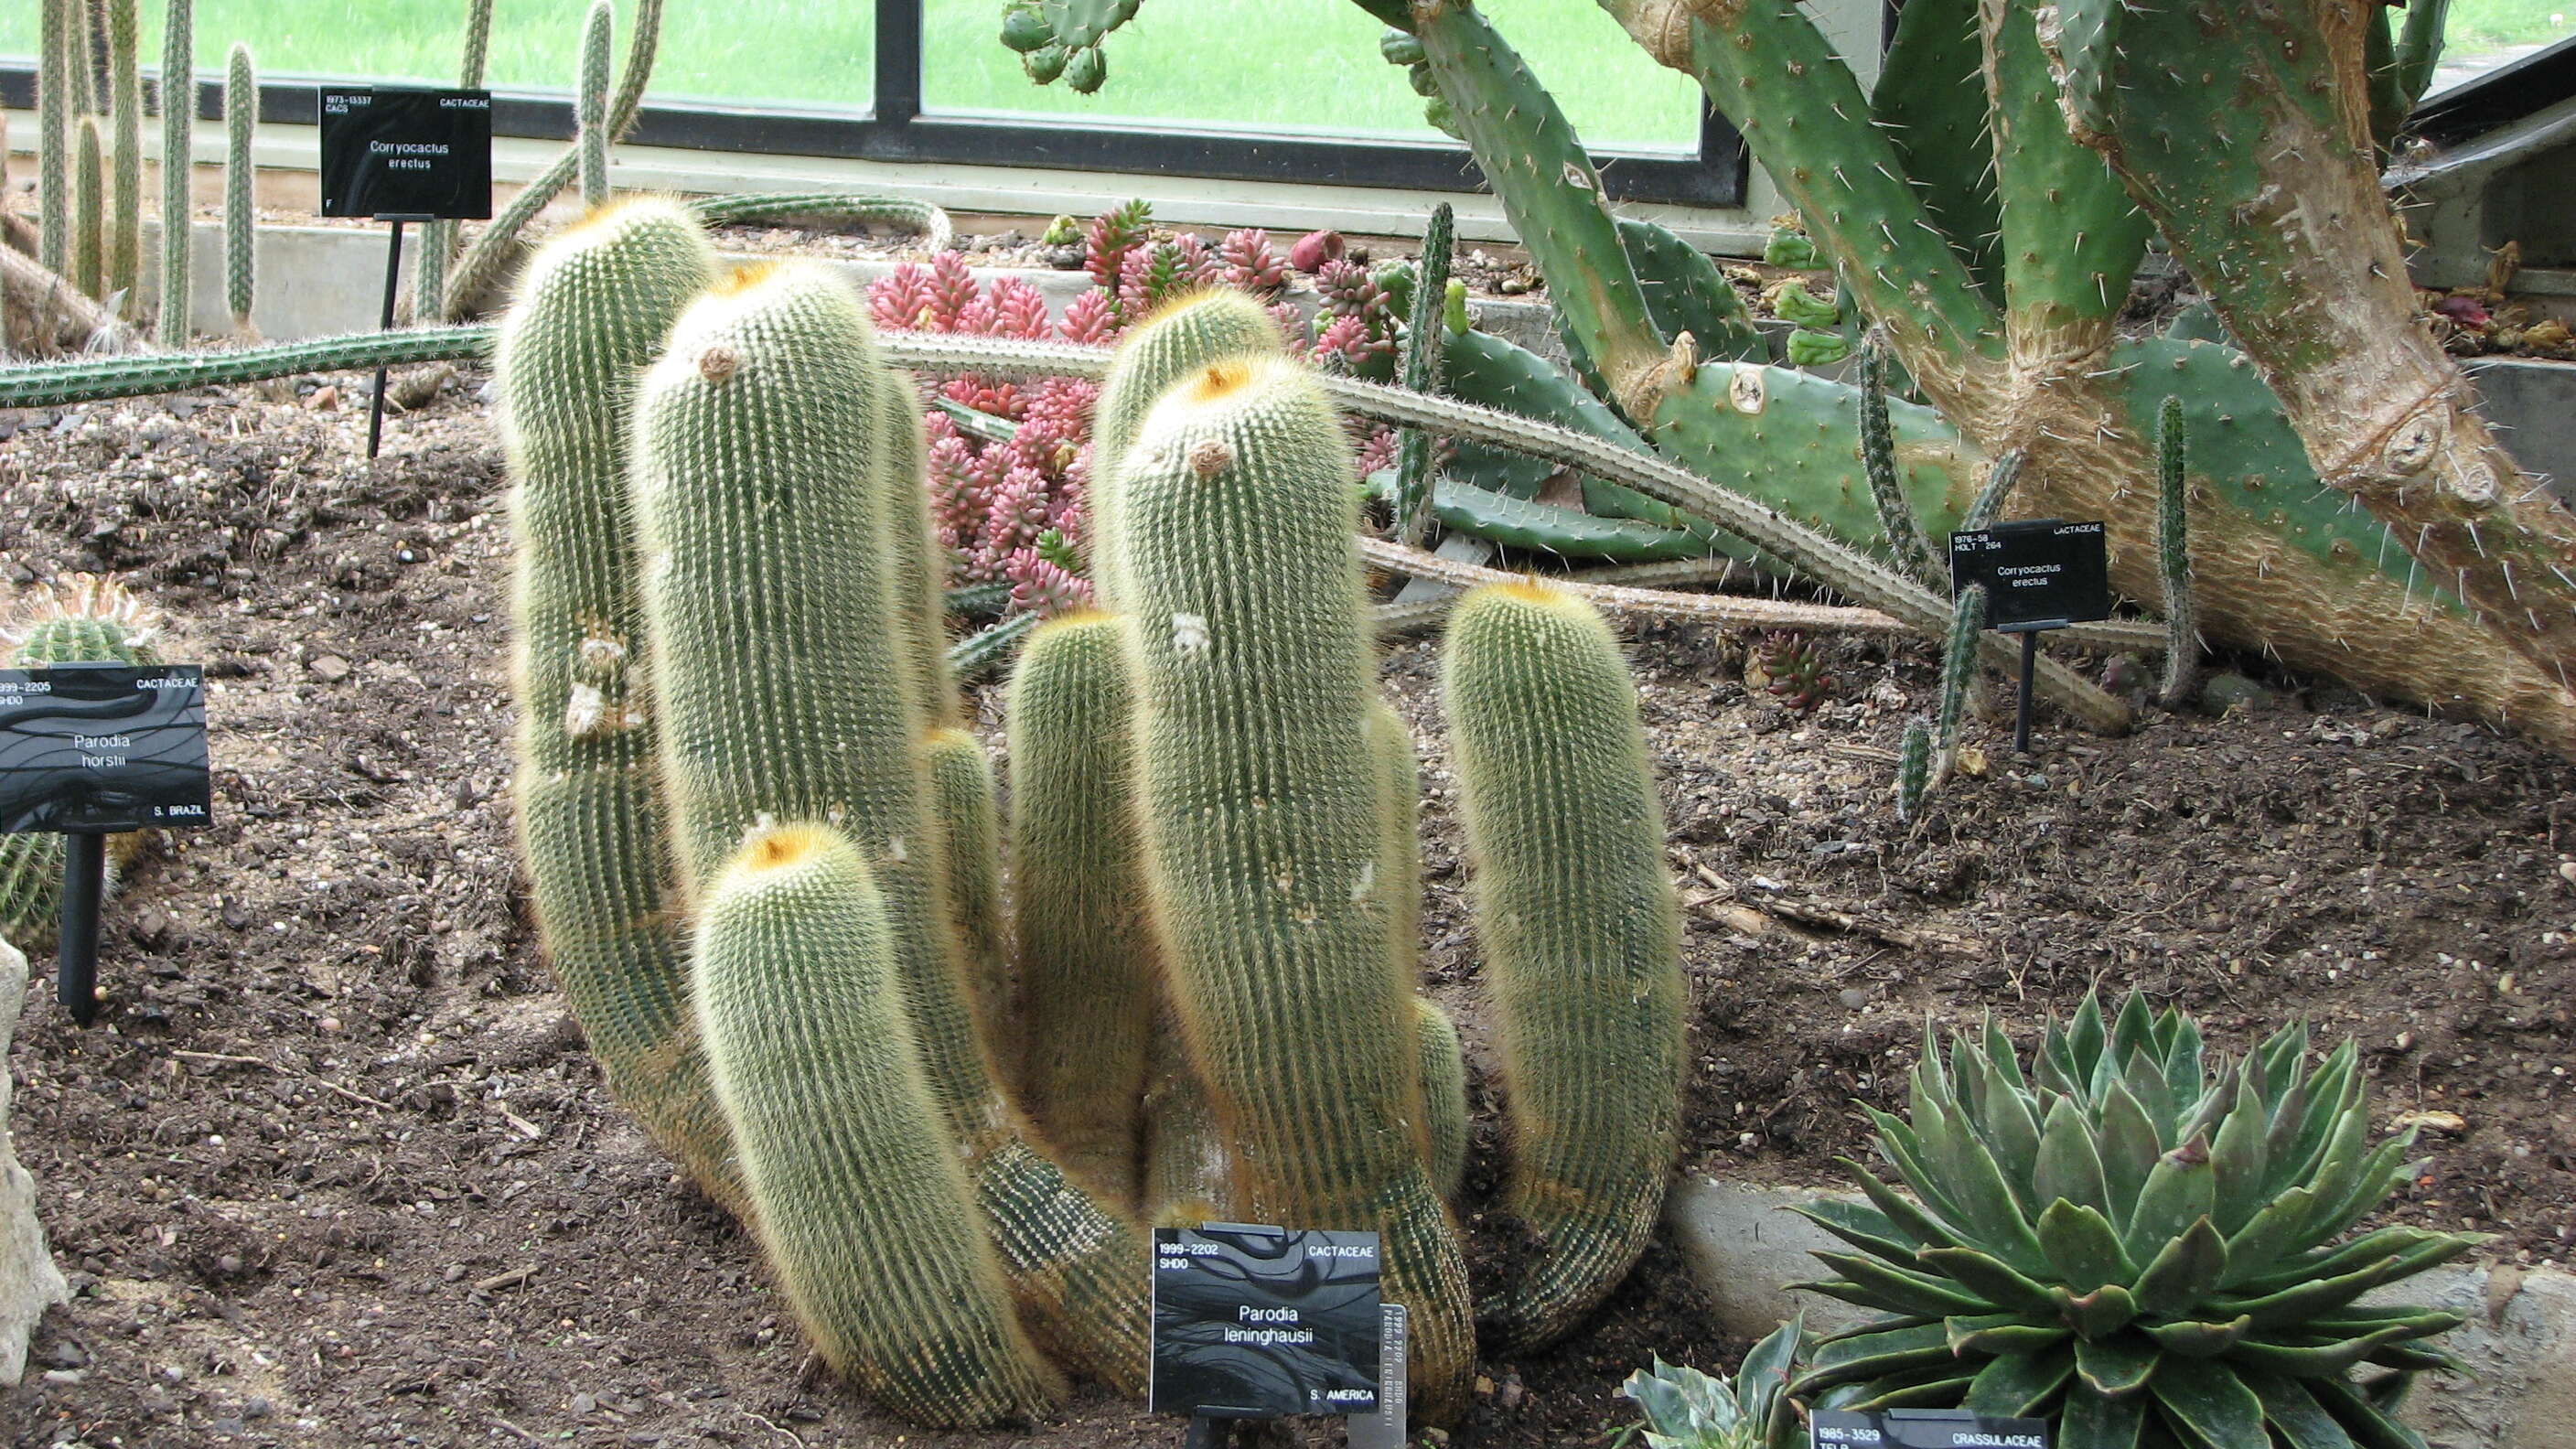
[{"x": 393, "y": 281}]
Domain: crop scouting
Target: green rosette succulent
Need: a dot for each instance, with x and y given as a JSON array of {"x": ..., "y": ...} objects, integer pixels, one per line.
[
  {"x": 1687, "y": 1409},
  {"x": 2137, "y": 1239}
]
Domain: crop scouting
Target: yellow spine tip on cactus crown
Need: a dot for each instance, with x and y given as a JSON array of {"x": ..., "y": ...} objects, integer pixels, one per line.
[
  {"x": 1076, "y": 619},
  {"x": 607, "y": 214},
  {"x": 781, "y": 847},
  {"x": 1221, "y": 379},
  {"x": 1533, "y": 590},
  {"x": 743, "y": 278}
]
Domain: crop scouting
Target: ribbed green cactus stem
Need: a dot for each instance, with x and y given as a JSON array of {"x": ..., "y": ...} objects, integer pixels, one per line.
[
  {"x": 241, "y": 260},
  {"x": 55, "y": 384},
  {"x": 1086, "y": 952},
  {"x": 1189, "y": 1162},
  {"x": 2173, "y": 557},
  {"x": 125, "y": 120},
  {"x": 1913, "y": 770},
  {"x": 590, "y": 102},
  {"x": 87, "y": 621},
  {"x": 178, "y": 168},
  {"x": 970, "y": 857},
  {"x": 1581, "y": 936},
  {"x": 1913, "y": 551},
  {"x": 1928, "y": 100},
  {"x": 497, "y": 244},
  {"x": 1425, "y": 343},
  {"x": 914, "y": 553},
  {"x": 819, "y": 207},
  {"x": 750, "y": 432},
  {"x": 1444, "y": 1094},
  {"x": 592, "y": 314},
  {"x": 57, "y": 100},
  {"x": 438, "y": 238},
  {"x": 1958, "y": 677},
  {"x": 1399, "y": 868},
  {"x": 1263, "y": 824},
  {"x": 2001, "y": 478},
  {"x": 89, "y": 212},
  {"x": 1175, "y": 342},
  {"x": 867, "y": 1216}
]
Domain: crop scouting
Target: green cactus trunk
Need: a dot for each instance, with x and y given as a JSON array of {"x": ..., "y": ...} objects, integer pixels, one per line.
[
  {"x": 1264, "y": 823},
  {"x": 1424, "y": 341},
  {"x": 2173, "y": 559},
  {"x": 57, "y": 101},
  {"x": 1580, "y": 931},
  {"x": 1086, "y": 952},
  {"x": 593, "y": 314},
  {"x": 866, "y": 1214},
  {"x": 241, "y": 260},
  {"x": 1958, "y": 677},
  {"x": 1444, "y": 1094},
  {"x": 1175, "y": 342},
  {"x": 1189, "y": 1162},
  {"x": 178, "y": 166},
  {"x": 125, "y": 121},
  {"x": 1399, "y": 862},
  {"x": 590, "y": 98},
  {"x": 970, "y": 858},
  {"x": 438, "y": 238},
  {"x": 1913, "y": 770},
  {"x": 89, "y": 213},
  {"x": 794, "y": 701}
]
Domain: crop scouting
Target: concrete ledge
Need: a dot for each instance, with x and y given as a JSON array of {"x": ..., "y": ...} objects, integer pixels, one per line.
[{"x": 1744, "y": 1246}]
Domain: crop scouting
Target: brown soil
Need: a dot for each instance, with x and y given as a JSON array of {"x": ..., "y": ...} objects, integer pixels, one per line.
[{"x": 333, "y": 1168}]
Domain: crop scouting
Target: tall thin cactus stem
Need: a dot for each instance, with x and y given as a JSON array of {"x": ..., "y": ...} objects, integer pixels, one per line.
[
  {"x": 241, "y": 114},
  {"x": 591, "y": 95},
  {"x": 2173, "y": 558},
  {"x": 125, "y": 120},
  {"x": 57, "y": 74},
  {"x": 178, "y": 134}
]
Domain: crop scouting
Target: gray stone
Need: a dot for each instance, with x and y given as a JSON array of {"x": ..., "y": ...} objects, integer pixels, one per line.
[
  {"x": 1744, "y": 1246},
  {"x": 29, "y": 1281}
]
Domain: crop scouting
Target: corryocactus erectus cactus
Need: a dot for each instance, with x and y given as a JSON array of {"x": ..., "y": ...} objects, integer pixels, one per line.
[
  {"x": 1581, "y": 934},
  {"x": 178, "y": 133},
  {"x": 2135, "y": 1237},
  {"x": 241, "y": 259}
]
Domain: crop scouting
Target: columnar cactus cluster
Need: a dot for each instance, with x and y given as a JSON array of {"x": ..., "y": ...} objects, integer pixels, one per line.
[{"x": 767, "y": 861}]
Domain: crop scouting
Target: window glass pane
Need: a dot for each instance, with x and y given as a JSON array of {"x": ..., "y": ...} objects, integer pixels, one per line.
[
  {"x": 807, "y": 52},
  {"x": 2483, "y": 34},
  {"x": 1305, "y": 65}
]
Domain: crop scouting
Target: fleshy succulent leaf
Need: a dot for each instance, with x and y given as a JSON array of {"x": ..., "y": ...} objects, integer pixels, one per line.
[
  {"x": 2181, "y": 1188},
  {"x": 2098, "y": 1314},
  {"x": 2098, "y": 1421},
  {"x": 2002, "y": 1285},
  {"x": 2370, "y": 1426},
  {"x": 1864, "y": 1228},
  {"x": 2184, "y": 1272},
  {"x": 1873, "y": 1353},
  {"x": 2116, "y": 1366},
  {"x": 2083, "y": 1247},
  {"x": 2261, "y": 1243},
  {"x": 2193, "y": 1339},
  {"x": 2085, "y": 1039},
  {"x": 2210, "y": 1404},
  {"x": 1897, "y": 1291},
  {"x": 2067, "y": 1166},
  {"x": 2001, "y": 1334},
  {"x": 2020, "y": 1385},
  {"x": 2317, "y": 1361},
  {"x": 2294, "y": 1413},
  {"x": 1909, "y": 1218},
  {"x": 2128, "y": 1144}
]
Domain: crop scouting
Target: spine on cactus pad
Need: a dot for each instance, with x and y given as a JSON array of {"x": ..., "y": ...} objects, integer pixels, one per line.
[
  {"x": 750, "y": 431},
  {"x": 970, "y": 857},
  {"x": 592, "y": 313},
  {"x": 866, "y": 1213},
  {"x": 1580, "y": 930},
  {"x": 1444, "y": 1094},
  {"x": 1086, "y": 950},
  {"x": 1184, "y": 336},
  {"x": 1263, "y": 823}
]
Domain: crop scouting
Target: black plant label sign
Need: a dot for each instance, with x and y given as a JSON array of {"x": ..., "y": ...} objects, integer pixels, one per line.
[
  {"x": 408, "y": 153},
  {"x": 1265, "y": 1323},
  {"x": 1924, "y": 1429},
  {"x": 2041, "y": 571},
  {"x": 103, "y": 747}
]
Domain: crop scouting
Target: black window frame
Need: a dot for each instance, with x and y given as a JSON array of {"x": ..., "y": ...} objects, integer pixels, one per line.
[{"x": 895, "y": 127}]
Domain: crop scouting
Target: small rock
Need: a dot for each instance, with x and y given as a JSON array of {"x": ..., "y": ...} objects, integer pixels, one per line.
[
  {"x": 1852, "y": 998},
  {"x": 2226, "y": 692},
  {"x": 329, "y": 668},
  {"x": 2449, "y": 1124},
  {"x": 583, "y": 1404},
  {"x": 257, "y": 1408}
]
